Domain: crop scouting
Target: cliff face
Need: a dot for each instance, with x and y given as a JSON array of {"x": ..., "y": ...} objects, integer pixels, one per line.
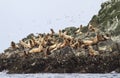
[{"x": 108, "y": 18}]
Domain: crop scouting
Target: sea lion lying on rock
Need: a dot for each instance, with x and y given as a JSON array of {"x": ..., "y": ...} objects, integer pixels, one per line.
[
  {"x": 95, "y": 40},
  {"x": 25, "y": 45},
  {"x": 64, "y": 35},
  {"x": 39, "y": 49}
]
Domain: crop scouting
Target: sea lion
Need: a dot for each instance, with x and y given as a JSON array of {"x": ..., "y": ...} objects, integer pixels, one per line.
[
  {"x": 47, "y": 52},
  {"x": 87, "y": 42},
  {"x": 42, "y": 41},
  {"x": 67, "y": 37},
  {"x": 60, "y": 45},
  {"x": 38, "y": 40},
  {"x": 77, "y": 44},
  {"x": 95, "y": 40},
  {"x": 57, "y": 47},
  {"x": 53, "y": 47},
  {"x": 49, "y": 37},
  {"x": 34, "y": 40},
  {"x": 90, "y": 42},
  {"x": 60, "y": 33},
  {"x": 78, "y": 31},
  {"x": 42, "y": 45},
  {"x": 35, "y": 50},
  {"x": 106, "y": 37},
  {"x": 25, "y": 45},
  {"x": 64, "y": 35},
  {"x": 32, "y": 44},
  {"x": 65, "y": 43},
  {"x": 91, "y": 28},
  {"x": 52, "y": 32},
  {"x": 13, "y": 45}
]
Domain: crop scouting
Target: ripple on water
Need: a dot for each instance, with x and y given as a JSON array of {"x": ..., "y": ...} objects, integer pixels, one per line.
[{"x": 48, "y": 75}]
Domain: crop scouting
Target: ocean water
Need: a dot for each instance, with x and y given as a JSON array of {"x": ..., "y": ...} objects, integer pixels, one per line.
[{"x": 50, "y": 75}]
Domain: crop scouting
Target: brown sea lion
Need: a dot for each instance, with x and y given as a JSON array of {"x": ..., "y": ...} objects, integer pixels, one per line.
[
  {"x": 77, "y": 44},
  {"x": 35, "y": 50},
  {"x": 64, "y": 35},
  {"x": 92, "y": 29},
  {"x": 79, "y": 30},
  {"x": 65, "y": 43},
  {"x": 25, "y": 45},
  {"x": 90, "y": 42},
  {"x": 52, "y": 32},
  {"x": 53, "y": 47},
  {"x": 13, "y": 45}
]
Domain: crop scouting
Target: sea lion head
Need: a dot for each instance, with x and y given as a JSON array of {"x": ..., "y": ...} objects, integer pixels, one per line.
[
  {"x": 52, "y": 30},
  {"x": 13, "y": 44}
]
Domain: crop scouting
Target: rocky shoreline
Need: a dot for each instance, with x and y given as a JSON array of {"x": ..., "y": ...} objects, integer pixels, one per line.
[
  {"x": 64, "y": 60},
  {"x": 62, "y": 63},
  {"x": 87, "y": 49}
]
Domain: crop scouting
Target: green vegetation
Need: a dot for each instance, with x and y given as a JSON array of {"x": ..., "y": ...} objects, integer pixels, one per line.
[{"x": 108, "y": 17}]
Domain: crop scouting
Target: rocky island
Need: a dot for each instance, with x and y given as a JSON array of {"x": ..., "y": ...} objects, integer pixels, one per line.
[{"x": 94, "y": 48}]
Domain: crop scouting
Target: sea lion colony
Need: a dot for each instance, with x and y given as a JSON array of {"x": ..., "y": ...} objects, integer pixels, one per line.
[{"x": 52, "y": 41}]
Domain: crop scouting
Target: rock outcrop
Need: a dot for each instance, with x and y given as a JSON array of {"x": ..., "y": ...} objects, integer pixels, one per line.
[
  {"x": 90, "y": 49},
  {"x": 108, "y": 18}
]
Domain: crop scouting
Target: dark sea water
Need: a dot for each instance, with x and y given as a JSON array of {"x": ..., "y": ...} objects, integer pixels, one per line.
[{"x": 49, "y": 75}]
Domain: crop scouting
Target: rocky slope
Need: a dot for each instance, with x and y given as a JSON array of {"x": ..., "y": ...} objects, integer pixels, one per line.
[
  {"x": 108, "y": 18},
  {"x": 72, "y": 50}
]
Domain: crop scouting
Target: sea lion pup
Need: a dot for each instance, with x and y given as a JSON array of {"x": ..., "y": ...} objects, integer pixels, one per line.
[
  {"x": 25, "y": 45},
  {"x": 13, "y": 45},
  {"x": 92, "y": 52},
  {"x": 79, "y": 30}
]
